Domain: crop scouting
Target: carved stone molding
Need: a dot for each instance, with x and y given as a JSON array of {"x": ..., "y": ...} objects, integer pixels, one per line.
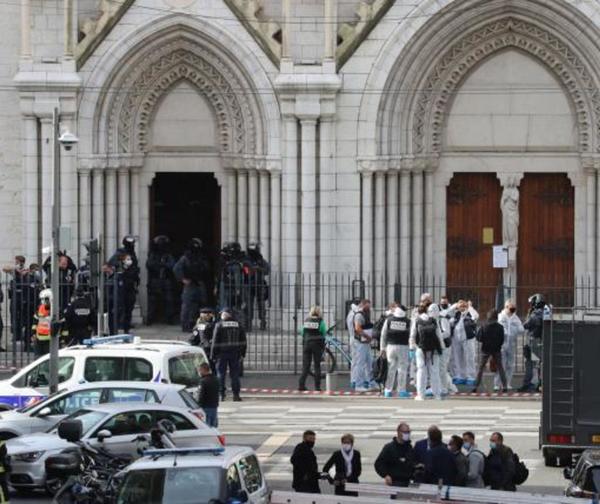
[
  {"x": 156, "y": 72},
  {"x": 430, "y": 108}
]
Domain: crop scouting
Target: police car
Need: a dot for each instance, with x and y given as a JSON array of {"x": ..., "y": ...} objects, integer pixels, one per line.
[
  {"x": 218, "y": 475},
  {"x": 111, "y": 358}
]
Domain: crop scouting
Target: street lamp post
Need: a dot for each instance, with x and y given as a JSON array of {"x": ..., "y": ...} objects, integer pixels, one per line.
[{"x": 67, "y": 140}]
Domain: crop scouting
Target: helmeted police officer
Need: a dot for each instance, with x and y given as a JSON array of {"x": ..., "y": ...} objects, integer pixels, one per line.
[
  {"x": 532, "y": 351},
  {"x": 203, "y": 333},
  {"x": 80, "y": 317},
  {"x": 314, "y": 331},
  {"x": 231, "y": 276},
  {"x": 161, "y": 281},
  {"x": 227, "y": 350},
  {"x": 192, "y": 271},
  {"x": 127, "y": 275},
  {"x": 258, "y": 270}
]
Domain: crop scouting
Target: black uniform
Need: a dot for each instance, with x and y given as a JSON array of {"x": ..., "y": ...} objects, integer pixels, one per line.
[
  {"x": 161, "y": 283},
  {"x": 80, "y": 319},
  {"x": 202, "y": 336},
  {"x": 312, "y": 350},
  {"x": 305, "y": 469},
  {"x": 228, "y": 348},
  {"x": 192, "y": 267},
  {"x": 66, "y": 280},
  {"x": 258, "y": 270},
  {"x": 127, "y": 278}
]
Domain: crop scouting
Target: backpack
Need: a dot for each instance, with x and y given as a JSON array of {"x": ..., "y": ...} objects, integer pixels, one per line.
[
  {"x": 427, "y": 338},
  {"x": 470, "y": 327},
  {"x": 380, "y": 370},
  {"x": 521, "y": 471}
]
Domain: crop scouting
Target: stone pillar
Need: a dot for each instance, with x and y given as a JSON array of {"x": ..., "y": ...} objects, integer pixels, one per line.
[
  {"x": 46, "y": 179},
  {"x": 123, "y": 212},
  {"x": 29, "y": 130},
  {"x": 252, "y": 205},
  {"x": 276, "y": 230},
  {"x": 405, "y": 250},
  {"x": 428, "y": 268},
  {"x": 242, "y": 207},
  {"x": 264, "y": 207},
  {"x": 367, "y": 225},
  {"x": 380, "y": 226},
  {"x": 98, "y": 205},
  {"x": 417, "y": 233},
  {"x": 290, "y": 259},
  {"x": 26, "y": 29},
  {"x": 509, "y": 204},
  {"x": 135, "y": 226},
  {"x": 330, "y": 16},
  {"x": 327, "y": 187},
  {"x": 592, "y": 237},
  {"x": 68, "y": 28},
  {"x": 111, "y": 210},
  {"x": 286, "y": 13},
  {"x": 310, "y": 218},
  {"x": 231, "y": 206},
  {"x": 392, "y": 228},
  {"x": 85, "y": 210},
  {"x": 145, "y": 183}
]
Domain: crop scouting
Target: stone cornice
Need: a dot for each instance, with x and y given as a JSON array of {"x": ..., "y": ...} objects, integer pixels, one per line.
[{"x": 398, "y": 163}]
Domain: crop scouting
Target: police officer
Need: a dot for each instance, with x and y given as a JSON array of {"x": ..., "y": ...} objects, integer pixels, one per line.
[
  {"x": 203, "y": 333},
  {"x": 394, "y": 346},
  {"x": 79, "y": 317},
  {"x": 192, "y": 271},
  {"x": 4, "y": 468},
  {"x": 532, "y": 351},
  {"x": 67, "y": 273},
  {"x": 42, "y": 324},
  {"x": 127, "y": 277},
  {"x": 231, "y": 276},
  {"x": 258, "y": 270},
  {"x": 314, "y": 331},
  {"x": 161, "y": 282},
  {"x": 228, "y": 349}
]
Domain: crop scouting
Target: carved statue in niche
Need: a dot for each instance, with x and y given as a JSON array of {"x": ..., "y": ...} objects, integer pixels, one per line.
[{"x": 510, "y": 215}]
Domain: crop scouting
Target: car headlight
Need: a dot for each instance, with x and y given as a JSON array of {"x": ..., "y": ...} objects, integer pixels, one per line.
[{"x": 28, "y": 457}]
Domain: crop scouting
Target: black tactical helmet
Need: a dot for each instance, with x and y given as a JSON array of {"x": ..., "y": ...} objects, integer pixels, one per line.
[
  {"x": 195, "y": 244},
  {"x": 128, "y": 241},
  {"x": 254, "y": 247},
  {"x": 537, "y": 301},
  {"x": 161, "y": 240},
  {"x": 232, "y": 247}
]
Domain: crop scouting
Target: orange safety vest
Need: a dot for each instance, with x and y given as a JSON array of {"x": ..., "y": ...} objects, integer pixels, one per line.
[{"x": 42, "y": 328}]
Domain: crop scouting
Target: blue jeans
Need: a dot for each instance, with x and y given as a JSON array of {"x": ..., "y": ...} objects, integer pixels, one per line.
[
  {"x": 212, "y": 420},
  {"x": 229, "y": 360}
]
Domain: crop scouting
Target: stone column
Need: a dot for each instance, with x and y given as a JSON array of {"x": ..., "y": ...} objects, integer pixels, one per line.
[
  {"x": 264, "y": 207},
  {"x": 380, "y": 226},
  {"x": 85, "y": 210},
  {"x": 46, "y": 179},
  {"x": 135, "y": 226},
  {"x": 405, "y": 250},
  {"x": 330, "y": 16},
  {"x": 367, "y": 224},
  {"x": 285, "y": 29},
  {"x": 290, "y": 231},
  {"x": 597, "y": 233},
  {"x": 98, "y": 205},
  {"x": 276, "y": 230},
  {"x": 592, "y": 237},
  {"x": 68, "y": 28},
  {"x": 26, "y": 28},
  {"x": 242, "y": 207},
  {"x": 145, "y": 182},
  {"x": 428, "y": 209},
  {"x": 417, "y": 233},
  {"x": 310, "y": 218},
  {"x": 231, "y": 206},
  {"x": 252, "y": 205},
  {"x": 124, "y": 221},
  {"x": 327, "y": 188},
  {"x": 111, "y": 210},
  {"x": 392, "y": 227},
  {"x": 509, "y": 204},
  {"x": 30, "y": 184}
]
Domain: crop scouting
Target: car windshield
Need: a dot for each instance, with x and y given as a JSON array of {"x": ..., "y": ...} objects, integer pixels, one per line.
[
  {"x": 89, "y": 419},
  {"x": 189, "y": 485},
  {"x": 183, "y": 369}
]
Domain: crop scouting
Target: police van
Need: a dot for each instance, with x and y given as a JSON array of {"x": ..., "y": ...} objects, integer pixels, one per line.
[{"x": 111, "y": 358}]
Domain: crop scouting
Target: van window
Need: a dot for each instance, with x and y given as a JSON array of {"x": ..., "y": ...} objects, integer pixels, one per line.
[
  {"x": 251, "y": 474},
  {"x": 39, "y": 376},
  {"x": 137, "y": 370},
  {"x": 183, "y": 369},
  {"x": 117, "y": 369}
]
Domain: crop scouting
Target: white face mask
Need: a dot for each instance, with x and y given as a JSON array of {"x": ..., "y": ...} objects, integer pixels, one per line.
[
  {"x": 406, "y": 436},
  {"x": 223, "y": 316},
  {"x": 347, "y": 447},
  {"x": 127, "y": 262}
]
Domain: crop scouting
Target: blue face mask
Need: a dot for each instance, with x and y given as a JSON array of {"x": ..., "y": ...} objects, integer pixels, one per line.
[
  {"x": 467, "y": 446},
  {"x": 492, "y": 446}
]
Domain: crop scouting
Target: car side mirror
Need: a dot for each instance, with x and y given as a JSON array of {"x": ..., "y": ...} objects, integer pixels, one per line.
[
  {"x": 568, "y": 473},
  {"x": 104, "y": 434},
  {"x": 44, "y": 412}
]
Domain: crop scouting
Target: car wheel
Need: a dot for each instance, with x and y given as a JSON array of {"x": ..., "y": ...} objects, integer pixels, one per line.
[
  {"x": 565, "y": 459},
  {"x": 549, "y": 458}
]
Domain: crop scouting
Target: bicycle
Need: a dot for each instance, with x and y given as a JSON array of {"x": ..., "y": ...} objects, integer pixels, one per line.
[{"x": 333, "y": 345}]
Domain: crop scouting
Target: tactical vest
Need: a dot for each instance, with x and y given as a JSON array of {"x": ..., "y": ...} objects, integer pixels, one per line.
[
  {"x": 398, "y": 330},
  {"x": 42, "y": 327},
  {"x": 311, "y": 329}
]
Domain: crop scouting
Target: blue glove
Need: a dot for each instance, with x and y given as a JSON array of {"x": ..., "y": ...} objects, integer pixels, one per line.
[{"x": 411, "y": 355}]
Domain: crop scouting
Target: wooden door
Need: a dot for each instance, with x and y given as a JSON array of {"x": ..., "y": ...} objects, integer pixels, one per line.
[
  {"x": 545, "y": 259},
  {"x": 473, "y": 205}
]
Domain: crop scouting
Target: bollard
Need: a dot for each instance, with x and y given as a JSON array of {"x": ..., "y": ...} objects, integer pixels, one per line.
[{"x": 329, "y": 382}]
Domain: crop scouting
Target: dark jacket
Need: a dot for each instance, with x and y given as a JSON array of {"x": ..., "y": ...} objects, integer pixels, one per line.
[
  {"x": 421, "y": 448},
  {"x": 337, "y": 460},
  {"x": 305, "y": 468},
  {"x": 491, "y": 336},
  {"x": 80, "y": 318},
  {"x": 535, "y": 323},
  {"x": 462, "y": 469},
  {"x": 228, "y": 337},
  {"x": 396, "y": 460},
  {"x": 439, "y": 465},
  {"x": 500, "y": 469},
  {"x": 208, "y": 396}
]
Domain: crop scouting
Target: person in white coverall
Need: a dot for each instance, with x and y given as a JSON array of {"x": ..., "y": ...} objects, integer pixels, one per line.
[
  {"x": 445, "y": 377},
  {"x": 362, "y": 359},
  {"x": 462, "y": 314},
  {"x": 394, "y": 347},
  {"x": 513, "y": 328},
  {"x": 426, "y": 342}
]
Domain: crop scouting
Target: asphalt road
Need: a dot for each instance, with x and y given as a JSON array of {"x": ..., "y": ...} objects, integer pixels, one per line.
[{"x": 273, "y": 425}]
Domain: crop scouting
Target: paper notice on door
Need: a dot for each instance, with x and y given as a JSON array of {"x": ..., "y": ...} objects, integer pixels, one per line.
[{"x": 500, "y": 256}]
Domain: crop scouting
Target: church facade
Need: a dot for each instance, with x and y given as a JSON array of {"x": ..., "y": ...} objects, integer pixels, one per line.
[{"x": 395, "y": 138}]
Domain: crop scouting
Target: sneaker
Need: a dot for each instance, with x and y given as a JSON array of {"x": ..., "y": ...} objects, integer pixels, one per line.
[
  {"x": 470, "y": 382},
  {"x": 404, "y": 394},
  {"x": 387, "y": 393},
  {"x": 429, "y": 393},
  {"x": 496, "y": 388},
  {"x": 374, "y": 386},
  {"x": 362, "y": 389},
  {"x": 459, "y": 381},
  {"x": 419, "y": 398}
]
